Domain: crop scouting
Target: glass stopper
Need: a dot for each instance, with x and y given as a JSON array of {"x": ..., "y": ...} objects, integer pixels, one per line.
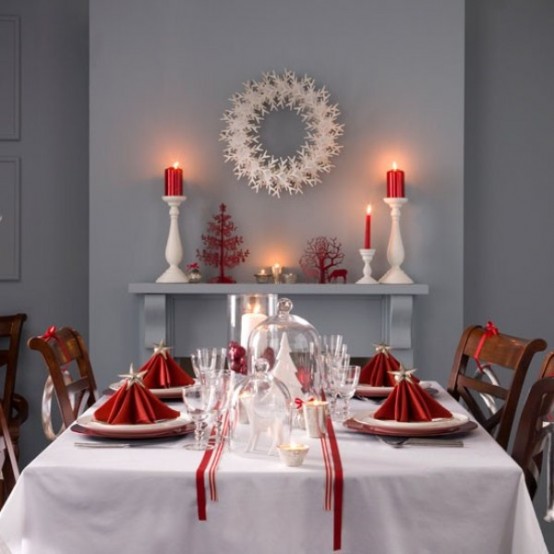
[
  {"x": 284, "y": 306},
  {"x": 261, "y": 365}
]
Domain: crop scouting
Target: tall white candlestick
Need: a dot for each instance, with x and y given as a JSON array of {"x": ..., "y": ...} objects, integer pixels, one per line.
[
  {"x": 395, "y": 250},
  {"x": 173, "y": 249}
]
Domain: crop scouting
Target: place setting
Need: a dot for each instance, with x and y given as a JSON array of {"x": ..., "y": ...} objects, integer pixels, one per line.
[
  {"x": 133, "y": 412},
  {"x": 162, "y": 375},
  {"x": 376, "y": 376},
  {"x": 410, "y": 415}
]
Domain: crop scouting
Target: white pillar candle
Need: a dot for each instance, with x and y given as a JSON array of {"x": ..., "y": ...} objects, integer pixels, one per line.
[{"x": 247, "y": 323}]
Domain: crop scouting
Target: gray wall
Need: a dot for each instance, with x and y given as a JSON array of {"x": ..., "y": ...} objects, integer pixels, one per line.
[
  {"x": 509, "y": 188},
  {"x": 395, "y": 68},
  {"x": 53, "y": 288}
]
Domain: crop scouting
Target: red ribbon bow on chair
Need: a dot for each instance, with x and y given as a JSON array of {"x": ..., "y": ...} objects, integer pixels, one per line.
[
  {"x": 51, "y": 333},
  {"x": 490, "y": 331}
]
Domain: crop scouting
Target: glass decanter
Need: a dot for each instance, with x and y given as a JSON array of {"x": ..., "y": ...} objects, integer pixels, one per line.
[{"x": 260, "y": 414}]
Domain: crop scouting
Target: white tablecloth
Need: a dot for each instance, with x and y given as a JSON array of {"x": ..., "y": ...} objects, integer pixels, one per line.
[{"x": 143, "y": 500}]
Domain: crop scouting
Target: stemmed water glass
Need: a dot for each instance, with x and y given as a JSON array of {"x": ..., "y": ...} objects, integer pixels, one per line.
[
  {"x": 335, "y": 354},
  {"x": 222, "y": 383},
  {"x": 207, "y": 361},
  {"x": 332, "y": 345},
  {"x": 200, "y": 400},
  {"x": 345, "y": 381}
]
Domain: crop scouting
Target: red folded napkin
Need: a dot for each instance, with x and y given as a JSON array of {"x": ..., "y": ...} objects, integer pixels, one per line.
[
  {"x": 134, "y": 403},
  {"x": 409, "y": 402},
  {"x": 163, "y": 372},
  {"x": 377, "y": 371}
]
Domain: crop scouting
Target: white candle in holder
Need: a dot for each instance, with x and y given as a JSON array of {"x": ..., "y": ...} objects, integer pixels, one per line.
[
  {"x": 247, "y": 323},
  {"x": 315, "y": 412}
]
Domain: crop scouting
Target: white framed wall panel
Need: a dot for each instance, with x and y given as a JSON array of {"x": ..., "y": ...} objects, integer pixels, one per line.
[
  {"x": 10, "y": 182},
  {"x": 9, "y": 77}
]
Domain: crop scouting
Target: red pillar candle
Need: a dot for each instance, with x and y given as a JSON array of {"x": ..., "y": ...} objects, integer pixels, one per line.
[
  {"x": 174, "y": 180},
  {"x": 367, "y": 239},
  {"x": 395, "y": 182}
]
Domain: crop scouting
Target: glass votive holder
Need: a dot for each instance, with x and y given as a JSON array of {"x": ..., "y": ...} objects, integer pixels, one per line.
[
  {"x": 293, "y": 454},
  {"x": 246, "y": 311},
  {"x": 289, "y": 278},
  {"x": 263, "y": 276},
  {"x": 315, "y": 413}
]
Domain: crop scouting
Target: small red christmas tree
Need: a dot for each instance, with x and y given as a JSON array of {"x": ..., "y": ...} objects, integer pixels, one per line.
[
  {"x": 321, "y": 254},
  {"x": 222, "y": 246}
]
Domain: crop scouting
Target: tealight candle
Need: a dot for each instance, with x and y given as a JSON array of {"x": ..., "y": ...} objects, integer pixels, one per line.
[
  {"x": 293, "y": 454},
  {"x": 262, "y": 276},
  {"x": 315, "y": 412}
]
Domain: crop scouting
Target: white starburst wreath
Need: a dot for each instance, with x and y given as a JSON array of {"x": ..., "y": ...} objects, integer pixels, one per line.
[{"x": 244, "y": 148}]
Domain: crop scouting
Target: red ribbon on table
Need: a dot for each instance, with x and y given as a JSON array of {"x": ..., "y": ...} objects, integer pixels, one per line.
[
  {"x": 334, "y": 479},
  {"x": 51, "y": 334},
  {"x": 210, "y": 463},
  {"x": 200, "y": 488},
  {"x": 490, "y": 331},
  {"x": 217, "y": 457}
]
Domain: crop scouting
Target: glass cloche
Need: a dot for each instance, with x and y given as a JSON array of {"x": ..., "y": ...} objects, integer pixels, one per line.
[
  {"x": 260, "y": 413},
  {"x": 292, "y": 347}
]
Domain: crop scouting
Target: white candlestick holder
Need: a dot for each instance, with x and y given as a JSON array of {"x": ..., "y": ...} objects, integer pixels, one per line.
[
  {"x": 367, "y": 256},
  {"x": 173, "y": 248},
  {"x": 395, "y": 249}
]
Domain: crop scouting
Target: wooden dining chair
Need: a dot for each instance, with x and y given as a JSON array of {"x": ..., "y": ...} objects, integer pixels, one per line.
[
  {"x": 535, "y": 425},
  {"x": 10, "y": 469},
  {"x": 491, "y": 398},
  {"x": 71, "y": 377},
  {"x": 15, "y": 406}
]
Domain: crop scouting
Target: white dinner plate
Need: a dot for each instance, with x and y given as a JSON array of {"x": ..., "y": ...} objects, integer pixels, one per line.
[
  {"x": 177, "y": 426},
  {"x": 168, "y": 394},
  {"x": 434, "y": 426},
  {"x": 380, "y": 392}
]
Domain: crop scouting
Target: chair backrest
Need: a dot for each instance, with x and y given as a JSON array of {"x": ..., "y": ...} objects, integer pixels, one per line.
[
  {"x": 10, "y": 330},
  {"x": 63, "y": 350},
  {"x": 472, "y": 386},
  {"x": 532, "y": 432},
  {"x": 10, "y": 469}
]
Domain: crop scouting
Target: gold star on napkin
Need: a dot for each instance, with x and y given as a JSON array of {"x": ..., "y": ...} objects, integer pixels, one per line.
[
  {"x": 133, "y": 378},
  {"x": 402, "y": 374},
  {"x": 382, "y": 348},
  {"x": 162, "y": 349}
]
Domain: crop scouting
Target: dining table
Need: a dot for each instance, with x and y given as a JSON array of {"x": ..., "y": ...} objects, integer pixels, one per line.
[{"x": 353, "y": 494}]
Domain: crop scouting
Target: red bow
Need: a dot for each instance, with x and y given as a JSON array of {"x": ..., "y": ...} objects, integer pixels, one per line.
[
  {"x": 490, "y": 331},
  {"x": 51, "y": 333},
  {"x": 299, "y": 402}
]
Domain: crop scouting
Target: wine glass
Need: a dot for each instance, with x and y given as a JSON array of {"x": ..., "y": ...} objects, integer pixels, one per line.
[
  {"x": 207, "y": 361},
  {"x": 332, "y": 344},
  {"x": 199, "y": 400},
  {"x": 222, "y": 383},
  {"x": 345, "y": 381},
  {"x": 332, "y": 361}
]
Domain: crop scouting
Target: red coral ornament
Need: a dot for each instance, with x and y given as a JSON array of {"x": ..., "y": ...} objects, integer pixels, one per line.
[{"x": 320, "y": 255}]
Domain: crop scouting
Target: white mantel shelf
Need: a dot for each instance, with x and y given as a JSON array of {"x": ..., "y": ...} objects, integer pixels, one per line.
[
  {"x": 396, "y": 305},
  {"x": 301, "y": 288}
]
